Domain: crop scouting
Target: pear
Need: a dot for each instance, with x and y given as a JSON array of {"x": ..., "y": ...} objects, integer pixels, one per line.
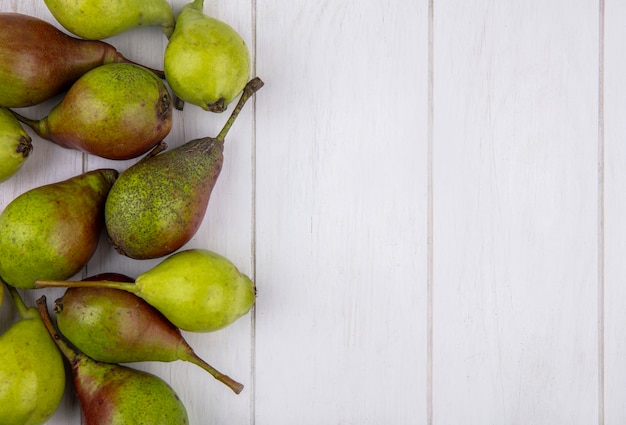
[
  {"x": 15, "y": 145},
  {"x": 111, "y": 394},
  {"x": 32, "y": 373},
  {"x": 115, "y": 111},
  {"x": 98, "y": 19},
  {"x": 115, "y": 326},
  {"x": 39, "y": 61},
  {"x": 158, "y": 204},
  {"x": 196, "y": 289},
  {"x": 206, "y": 62},
  {"x": 53, "y": 230}
]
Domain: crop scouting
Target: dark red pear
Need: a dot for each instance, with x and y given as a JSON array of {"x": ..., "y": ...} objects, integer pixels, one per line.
[
  {"x": 111, "y": 394},
  {"x": 116, "y": 326},
  {"x": 38, "y": 61},
  {"x": 158, "y": 204}
]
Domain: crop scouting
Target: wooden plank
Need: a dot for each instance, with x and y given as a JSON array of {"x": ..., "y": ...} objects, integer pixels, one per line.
[
  {"x": 614, "y": 210},
  {"x": 515, "y": 201},
  {"x": 341, "y": 194}
]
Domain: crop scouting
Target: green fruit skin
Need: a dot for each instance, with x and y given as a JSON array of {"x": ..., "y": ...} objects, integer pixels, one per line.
[
  {"x": 98, "y": 19},
  {"x": 32, "y": 373},
  {"x": 205, "y": 59},
  {"x": 52, "y": 231},
  {"x": 115, "y": 111},
  {"x": 15, "y": 145},
  {"x": 111, "y": 394},
  {"x": 157, "y": 205},
  {"x": 197, "y": 290}
]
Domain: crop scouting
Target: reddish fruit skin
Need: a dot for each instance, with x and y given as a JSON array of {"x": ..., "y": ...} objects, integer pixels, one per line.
[{"x": 38, "y": 61}]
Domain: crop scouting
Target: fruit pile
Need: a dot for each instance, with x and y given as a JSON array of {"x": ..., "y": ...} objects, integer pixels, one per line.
[{"x": 116, "y": 109}]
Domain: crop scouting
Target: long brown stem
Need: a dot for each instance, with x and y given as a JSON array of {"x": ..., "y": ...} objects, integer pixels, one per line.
[
  {"x": 70, "y": 354},
  {"x": 251, "y": 87},
  {"x": 126, "y": 286}
]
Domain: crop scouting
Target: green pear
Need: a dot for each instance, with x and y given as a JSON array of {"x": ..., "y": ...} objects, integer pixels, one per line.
[
  {"x": 115, "y": 111},
  {"x": 158, "y": 204},
  {"x": 196, "y": 289},
  {"x": 98, "y": 19},
  {"x": 32, "y": 373},
  {"x": 15, "y": 145},
  {"x": 53, "y": 230},
  {"x": 111, "y": 394},
  {"x": 206, "y": 62}
]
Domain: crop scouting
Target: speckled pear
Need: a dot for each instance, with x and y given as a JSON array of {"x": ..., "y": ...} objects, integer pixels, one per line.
[
  {"x": 197, "y": 290},
  {"x": 52, "y": 231},
  {"x": 15, "y": 145},
  {"x": 112, "y": 394},
  {"x": 158, "y": 204},
  {"x": 206, "y": 62},
  {"x": 98, "y": 19},
  {"x": 115, "y": 111},
  {"x": 39, "y": 61},
  {"x": 32, "y": 373},
  {"x": 115, "y": 326}
]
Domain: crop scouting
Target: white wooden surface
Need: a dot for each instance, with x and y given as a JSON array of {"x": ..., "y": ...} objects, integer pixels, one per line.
[{"x": 430, "y": 196}]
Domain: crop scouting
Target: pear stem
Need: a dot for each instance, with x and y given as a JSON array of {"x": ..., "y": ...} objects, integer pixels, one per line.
[
  {"x": 189, "y": 355},
  {"x": 251, "y": 87},
  {"x": 22, "y": 310},
  {"x": 34, "y": 124},
  {"x": 70, "y": 354},
  {"x": 126, "y": 286}
]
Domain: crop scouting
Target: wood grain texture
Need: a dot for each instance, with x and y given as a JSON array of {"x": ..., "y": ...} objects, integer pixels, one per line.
[
  {"x": 341, "y": 212},
  {"x": 515, "y": 207},
  {"x": 429, "y": 197}
]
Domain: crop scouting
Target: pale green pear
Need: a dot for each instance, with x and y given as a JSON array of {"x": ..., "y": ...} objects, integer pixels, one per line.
[
  {"x": 98, "y": 19},
  {"x": 206, "y": 62},
  {"x": 32, "y": 373},
  {"x": 15, "y": 145},
  {"x": 196, "y": 289}
]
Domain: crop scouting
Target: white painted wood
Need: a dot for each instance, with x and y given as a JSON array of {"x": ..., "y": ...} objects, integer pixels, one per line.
[
  {"x": 324, "y": 201},
  {"x": 515, "y": 206},
  {"x": 615, "y": 208},
  {"x": 341, "y": 148}
]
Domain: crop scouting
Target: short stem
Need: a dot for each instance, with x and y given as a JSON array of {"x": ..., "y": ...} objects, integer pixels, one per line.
[
  {"x": 65, "y": 349},
  {"x": 126, "y": 286},
  {"x": 252, "y": 87},
  {"x": 34, "y": 124}
]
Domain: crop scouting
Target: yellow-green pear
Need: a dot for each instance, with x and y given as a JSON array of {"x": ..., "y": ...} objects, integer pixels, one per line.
[
  {"x": 32, "y": 373},
  {"x": 206, "y": 62},
  {"x": 98, "y": 19},
  {"x": 15, "y": 145},
  {"x": 196, "y": 289}
]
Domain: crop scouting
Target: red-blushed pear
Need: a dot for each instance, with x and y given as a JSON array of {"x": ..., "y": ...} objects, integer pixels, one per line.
[
  {"x": 115, "y": 111},
  {"x": 112, "y": 394},
  {"x": 159, "y": 203},
  {"x": 115, "y": 326},
  {"x": 52, "y": 231},
  {"x": 39, "y": 61}
]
